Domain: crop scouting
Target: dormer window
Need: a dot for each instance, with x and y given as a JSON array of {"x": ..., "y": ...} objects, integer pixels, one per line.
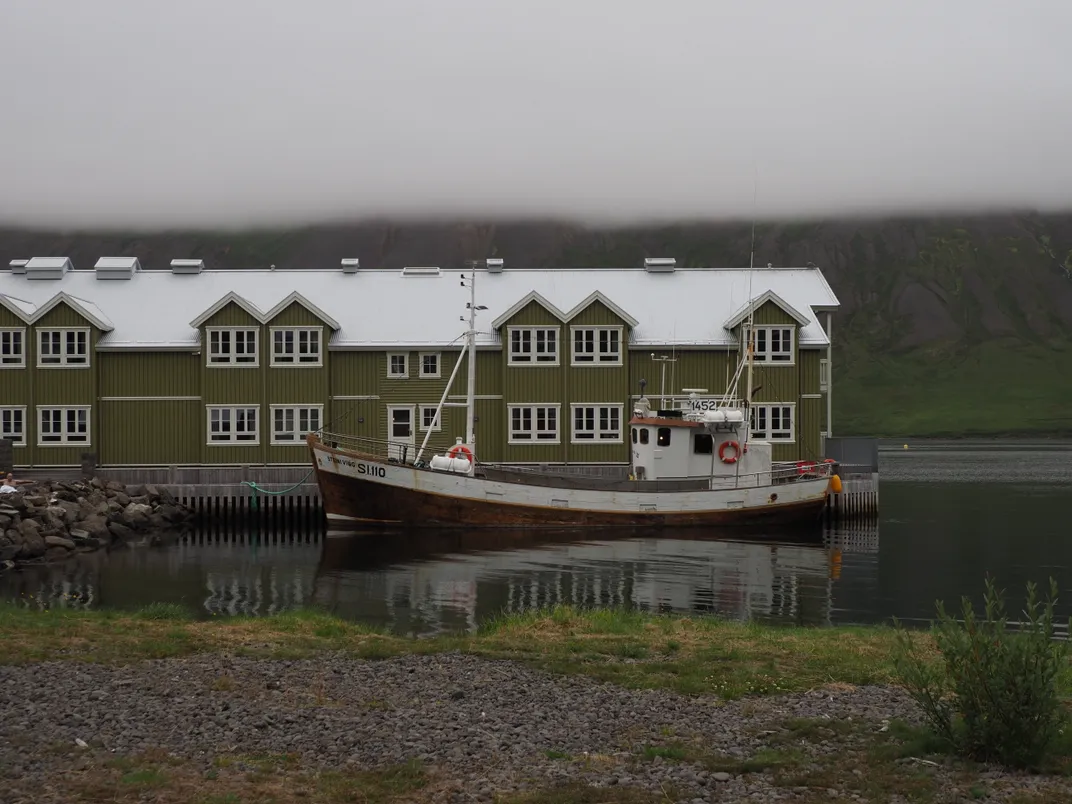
[
  {"x": 231, "y": 346},
  {"x": 296, "y": 346},
  {"x": 773, "y": 345},
  {"x": 67, "y": 348}
]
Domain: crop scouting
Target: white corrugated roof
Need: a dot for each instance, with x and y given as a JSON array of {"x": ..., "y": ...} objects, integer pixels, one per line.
[{"x": 382, "y": 308}]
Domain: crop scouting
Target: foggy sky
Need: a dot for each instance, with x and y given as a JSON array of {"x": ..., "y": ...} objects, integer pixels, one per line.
[{"x": 213, "y": 112}]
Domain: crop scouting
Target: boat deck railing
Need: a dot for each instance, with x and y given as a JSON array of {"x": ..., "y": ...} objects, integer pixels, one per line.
[{"x": 405, "y": 454}]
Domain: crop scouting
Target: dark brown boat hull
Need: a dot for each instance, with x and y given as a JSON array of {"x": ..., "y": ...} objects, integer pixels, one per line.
[{"x": 354, "y": 502}]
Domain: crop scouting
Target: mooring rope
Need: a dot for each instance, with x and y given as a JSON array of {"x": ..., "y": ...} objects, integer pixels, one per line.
[{"x": 255, "y": 488}]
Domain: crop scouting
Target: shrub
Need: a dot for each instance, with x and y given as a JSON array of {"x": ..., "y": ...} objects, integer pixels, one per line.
[{"x": 992, "y": 695}]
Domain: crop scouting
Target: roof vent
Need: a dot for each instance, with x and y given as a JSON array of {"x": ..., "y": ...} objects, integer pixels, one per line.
[
  {"x": 117, "y": 267},
  {"x": 18, "y": 266},
  {"x": 48, "y": 267},
  {"x": 660, "y": 265},
  {"x": 420, "y": 271},
  {"x": 187, "y": 266},
  {"x": 350, "y": 265},
  {"x": 495, "y": 265}
]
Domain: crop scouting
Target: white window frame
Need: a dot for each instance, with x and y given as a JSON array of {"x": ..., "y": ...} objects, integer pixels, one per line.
[
  {"x": 597, "y": 408},
  {"x": 766, "y": 433},
  {"x": 65, "y": 356},
  {"x": 764, "y": 357},
  {"x": 824, "y": 374},
  {"x": 533, "y": 414},
  {"x": 65, "y": 437},
  {"x": 232, "y": 361},
  {"x": 437, "y": 424},
  {"x": 438, "y": 365},
  {"x": 299, "y": 434},
  {"x": 232, "y": 441},
  {"x": 284, "y": 360},
  {"x": 512, "y": 358},
  {"x": 404, "y": 375},
  {"x": 596, "y": 354},
  {"x": 4, "y": 433},
  {"x": 4, "y": 359}
]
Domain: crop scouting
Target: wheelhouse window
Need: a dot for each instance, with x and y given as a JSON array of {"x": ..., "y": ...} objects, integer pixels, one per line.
[
  {"x": 429, "y": 364},
  {"x": 13, "y": 425},
  {"x": 291, "y": 424},
  {"x": 597, "y": 423},
  {"x": 534, "y": 423},
  {"x": 533, "y": 346},
  {"x": 597, "y": 346},
  {"x": 663, "y": 437},
  {"x": 63, "y": 347},
  {"x": 12, "y": 348},
  {"x": 232, "y": 346},
  {"x": 773, "y": 345},
  {"x": 297, "y": 346},
  {"x": 63, "y": 426},
  {"x": 703, "y": 444},
  {"x": 772, "y": 422},
  {"x": 232, "y": 424},
  {"x": 398, "y": 365}
]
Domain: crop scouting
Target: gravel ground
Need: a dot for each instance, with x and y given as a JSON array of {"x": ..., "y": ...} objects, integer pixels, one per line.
[{"x": 483, "y": 726}]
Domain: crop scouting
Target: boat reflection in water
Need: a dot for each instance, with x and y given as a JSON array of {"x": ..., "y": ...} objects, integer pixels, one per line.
[
  {"x": 426, "y": 582},
  {"x": 429, "y": 582}
]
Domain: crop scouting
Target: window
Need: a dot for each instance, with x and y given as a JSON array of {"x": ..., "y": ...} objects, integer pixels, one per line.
[
  {"x": 290, "y": 424},
  {"x": 430, "y": 364},
  {"x": 429, "y": 420},
  {"x": 13, "y": 425},
  {"x": 597, "y": 423},
  {"x": 644, "y": 435},
  {"x": 663, "y": 438},
  {"x": 296, "y": 346},
  {"x": 774, "y": 345},
  {"x": 398, "y": 365},
  {"x": 533, "y": 346},
  {"x": 12, "y": 348},
  {"x": 533, "y": 423},
  {"x": 772, "y": 422},
  {"x": 601, "y": 346},
  {"x": 232, "y": 424},
  {"x": 824, "y": 374},
  {"x": 63, "y": 347},
  {"x": 62, "y": 426},
  {"x": 703, "y": 444},
  {"x": 235, "y": 347}
]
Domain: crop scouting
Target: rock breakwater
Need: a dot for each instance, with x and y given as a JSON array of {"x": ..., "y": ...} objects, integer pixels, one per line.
[{"x": 50, "y": 521}]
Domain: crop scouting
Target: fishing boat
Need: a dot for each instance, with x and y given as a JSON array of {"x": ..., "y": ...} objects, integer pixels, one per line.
[{"x": 691, "y": 466}]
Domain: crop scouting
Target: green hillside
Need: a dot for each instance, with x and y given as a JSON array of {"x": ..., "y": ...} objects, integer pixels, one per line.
[{"x": 950, "y": 325}]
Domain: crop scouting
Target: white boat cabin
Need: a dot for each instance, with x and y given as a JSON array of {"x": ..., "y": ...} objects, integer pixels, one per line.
[{"x": 694, "y": 444}]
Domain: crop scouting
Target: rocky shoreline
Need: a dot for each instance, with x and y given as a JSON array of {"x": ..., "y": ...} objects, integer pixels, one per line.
[
  {"x": 480, "y": 728},
  {"x": 53, "y": 520}
]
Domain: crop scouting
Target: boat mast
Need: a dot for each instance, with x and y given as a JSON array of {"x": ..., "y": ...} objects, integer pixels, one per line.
[{"x": 470, "y": 391}]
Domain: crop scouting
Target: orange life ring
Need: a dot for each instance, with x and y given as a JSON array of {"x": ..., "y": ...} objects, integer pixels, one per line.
[
  {"x": 722, "y": 451},
  {"x": 460, "y": 448}
]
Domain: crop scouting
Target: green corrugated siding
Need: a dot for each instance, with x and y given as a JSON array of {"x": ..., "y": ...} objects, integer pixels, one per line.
[
  {"x": 295, "y": 315},
  {"x": 354, "y": 373},
  {"x": 490, "y": 429},
  {"x": 489, "y": 373},
  {"x": 532, "y": 314},
  {"x": 230, "y": 315},
  {"x": 296, "y": 385},
  {"x": 808, "y": 361},
  {"x": 140, "y": 374},
  {"x": 15, "y": 382},
  {"x": 774, "y": 383},
  {"x": 144, "y": 432},
  {"x": 9, "y": 319},
  {"x": 809, "y": 424},
  {"x": 771, "y": 313},
  {"x": 357, "y": 418},
  {"x": 597, "y": 314},
  {"x": 712, "y": 370}
]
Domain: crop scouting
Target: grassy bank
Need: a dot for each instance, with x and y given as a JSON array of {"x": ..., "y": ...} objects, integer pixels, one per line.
[
  {"x": 686, "y": 654},
  {"x": 692, "y": 655}
]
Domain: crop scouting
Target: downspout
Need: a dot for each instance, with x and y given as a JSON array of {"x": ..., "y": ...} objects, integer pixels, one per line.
[{"x": 829, "y": 378}]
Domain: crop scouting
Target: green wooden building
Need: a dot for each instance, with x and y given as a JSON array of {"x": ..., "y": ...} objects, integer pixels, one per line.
[{"x": 186, "y": 366}]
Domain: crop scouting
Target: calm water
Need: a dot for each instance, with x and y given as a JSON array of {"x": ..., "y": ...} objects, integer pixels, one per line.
[{"x": 951, "y": 513}]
